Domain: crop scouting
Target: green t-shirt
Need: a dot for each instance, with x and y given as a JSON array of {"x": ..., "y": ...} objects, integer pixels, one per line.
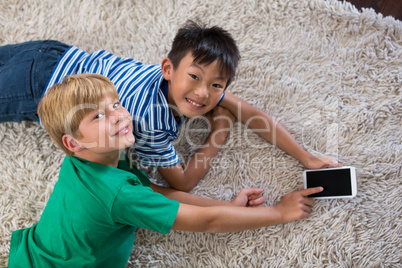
[{"x": 91, "y": 218}]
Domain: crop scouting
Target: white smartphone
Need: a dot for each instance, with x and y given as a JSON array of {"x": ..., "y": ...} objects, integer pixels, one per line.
[{"x": 337, "y": 182}]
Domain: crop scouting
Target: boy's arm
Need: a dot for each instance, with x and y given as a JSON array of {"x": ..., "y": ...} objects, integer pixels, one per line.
[
  {"x": 273, "y": 132},
  {"x": 186, "y": 178},
  {"x": 293, "y": 206},
  {"x": 247, "y": 197}
]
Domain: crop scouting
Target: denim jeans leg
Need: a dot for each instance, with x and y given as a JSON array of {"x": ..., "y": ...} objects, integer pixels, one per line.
[{"x": 25, "y": 69}]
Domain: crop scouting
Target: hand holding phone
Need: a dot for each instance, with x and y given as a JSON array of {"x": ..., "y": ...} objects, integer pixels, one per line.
[
  {"x": 337, "y": 182},
  {"x": 297, "y": 205}
]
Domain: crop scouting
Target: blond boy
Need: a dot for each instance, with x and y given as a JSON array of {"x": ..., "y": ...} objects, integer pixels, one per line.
[{"x": 99, "y": 201}]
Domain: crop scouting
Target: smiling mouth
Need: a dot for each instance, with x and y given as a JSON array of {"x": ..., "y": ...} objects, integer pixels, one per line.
[
  {"x": 123, "y": 131},
  {"x": 194, "y": 103}
]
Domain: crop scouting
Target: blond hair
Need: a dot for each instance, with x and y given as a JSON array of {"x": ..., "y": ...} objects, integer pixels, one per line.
[{"x": 64, "y": 105}]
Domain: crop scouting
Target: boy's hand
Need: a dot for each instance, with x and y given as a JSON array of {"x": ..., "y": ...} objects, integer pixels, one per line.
[
  {"x": 296, "y": 205},
  {"x": 249, "y": 198},
  {"x": 321, "y": 162}
]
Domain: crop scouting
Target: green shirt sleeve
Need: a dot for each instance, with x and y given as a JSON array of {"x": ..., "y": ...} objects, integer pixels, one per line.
[
  {"x": 140, "y": 206},
  {"x": 125, "y": 164}
]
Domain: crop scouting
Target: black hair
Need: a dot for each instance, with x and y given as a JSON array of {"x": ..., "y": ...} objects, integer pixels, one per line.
[{"x": 206, "y": 45}]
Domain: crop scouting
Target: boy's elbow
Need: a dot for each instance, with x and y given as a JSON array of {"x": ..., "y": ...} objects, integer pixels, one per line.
[
  {"x": 183, "y": 185},
  {"x": 199, "y": 219},
  {"x": 178, "y": 179},
  {"x": 213, "y": 229},
  {"x": 186, "y": 188},
  {"x": 183, "y": 188},
  {"x": 211, "y": 224}
]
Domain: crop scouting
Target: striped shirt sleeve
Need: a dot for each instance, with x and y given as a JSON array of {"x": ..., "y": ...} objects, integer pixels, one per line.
[
  {"x": 138, "y": 87},
  {"x": 155, "y": 148}
]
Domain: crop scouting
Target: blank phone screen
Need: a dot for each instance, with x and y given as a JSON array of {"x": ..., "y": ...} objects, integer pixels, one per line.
[{"x": 336, "y": 182}]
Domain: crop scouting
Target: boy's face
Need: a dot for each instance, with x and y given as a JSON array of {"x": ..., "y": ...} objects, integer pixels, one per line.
[
  {"x": 193, "y": 88},
  {"x": 108, "y": 129}
]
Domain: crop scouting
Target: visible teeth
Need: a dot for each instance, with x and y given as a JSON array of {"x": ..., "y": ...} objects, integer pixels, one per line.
[{"x": 193, "y": 103}]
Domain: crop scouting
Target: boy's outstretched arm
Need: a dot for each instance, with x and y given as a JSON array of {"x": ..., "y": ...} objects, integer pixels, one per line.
[
  {"x": 219, "y": 219},
  {"x": 251, "y": 197},
  {"x": 185, "y": 178},
  {"x": 273, "y": 132}
]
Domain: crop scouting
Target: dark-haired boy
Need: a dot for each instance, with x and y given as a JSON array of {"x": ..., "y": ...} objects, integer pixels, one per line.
[{"x": 190, "y": 82}]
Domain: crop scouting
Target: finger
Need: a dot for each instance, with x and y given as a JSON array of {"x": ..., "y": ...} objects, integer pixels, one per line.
[
  {"x": 329, "y": 163},
  {"x": 253, "y": 191},
  {"x": 337, "y": 165},
  {"x": 310, "y": 191},
  {"x": 308, "y": 201},
  {"x": 254, "y": 196},
  {"x": 333, "y": 164},
  {"x": 305, "y": 215},
  {"x": 307, "y": 209},
  {"x": 256, "y": 202}
]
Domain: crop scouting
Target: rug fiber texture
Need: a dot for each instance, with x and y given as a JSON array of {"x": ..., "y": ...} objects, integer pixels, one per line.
[{"x": 332, "y": 75}]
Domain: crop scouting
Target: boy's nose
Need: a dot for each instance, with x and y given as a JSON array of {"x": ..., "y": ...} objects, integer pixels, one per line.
[
  {"x": 116, "y": 117},
  {"x": 202, "y": 92}
]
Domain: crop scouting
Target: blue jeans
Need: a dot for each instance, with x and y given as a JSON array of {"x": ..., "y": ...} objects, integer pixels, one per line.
[{"x": 25, "y": 69}]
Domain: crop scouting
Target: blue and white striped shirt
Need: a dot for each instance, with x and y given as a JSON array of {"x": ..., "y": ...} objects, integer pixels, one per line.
[{"x": 139, "y": 89}]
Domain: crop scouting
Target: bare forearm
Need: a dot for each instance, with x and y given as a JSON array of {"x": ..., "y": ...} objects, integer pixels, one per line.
[
  {"x": 293, "y": 206},
  {"x": 225, "y": 219},
  {"x": 265, "y": 126},
  {"x": 240, "y": 219},
  {"x": 187, "y": 198},
  {"x": 184, "y": 179},
  {"x": 275, "y": 133}
]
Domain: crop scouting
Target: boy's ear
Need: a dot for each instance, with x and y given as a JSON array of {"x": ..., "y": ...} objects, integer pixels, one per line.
[
  {"x": 71, "y": 144},
  {"x": 167, "y": 68}
]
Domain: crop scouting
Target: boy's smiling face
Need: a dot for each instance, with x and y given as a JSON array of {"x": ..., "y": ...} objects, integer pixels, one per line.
[
  {"x": 193, "y": 88},
  {"x": 108, "y": 129}
]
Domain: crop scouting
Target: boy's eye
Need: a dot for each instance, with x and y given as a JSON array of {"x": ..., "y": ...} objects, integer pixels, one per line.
[
  {"x": 194, "y": 76},
  {"x": 117, "y": 104},
  {"x": 98, "y": 115},
  {"x": 217, "y": 85}
]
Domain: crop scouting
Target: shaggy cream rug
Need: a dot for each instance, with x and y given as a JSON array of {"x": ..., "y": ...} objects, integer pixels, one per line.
[{"x": 331, "y": 74}]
